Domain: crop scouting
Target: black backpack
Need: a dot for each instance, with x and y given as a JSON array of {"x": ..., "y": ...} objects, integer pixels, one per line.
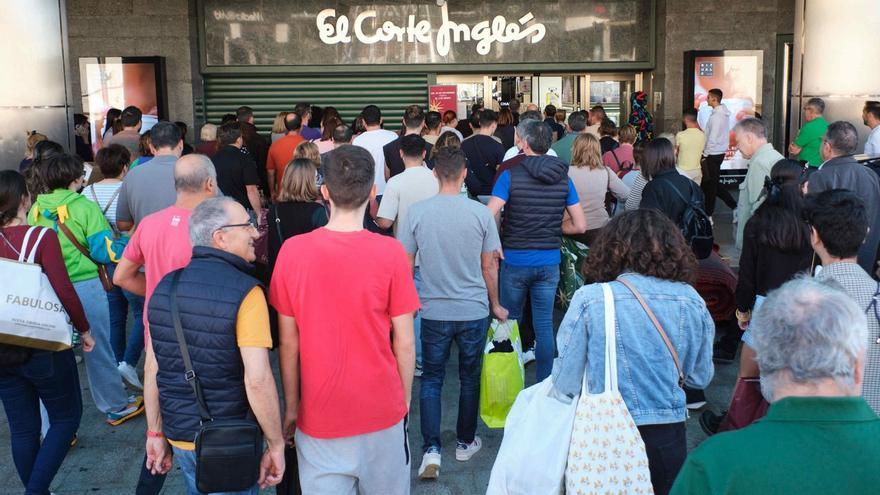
[{"x": 696, "y": 224}]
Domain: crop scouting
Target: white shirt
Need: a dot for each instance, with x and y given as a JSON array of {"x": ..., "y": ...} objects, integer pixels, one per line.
[
  {"x": 717, "y": 132},
  {"x": 513, "y": 151},
  {"x": 373, "y": 141},
  {"x": 872, "y": 145}
]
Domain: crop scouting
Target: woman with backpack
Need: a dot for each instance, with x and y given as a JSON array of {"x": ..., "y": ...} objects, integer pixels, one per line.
[
  {"x": 28, "y": 376},
  {"x": 646, "y": 251},
  {"x": 87, "y": 244},
  {"x": 593, "y": 181},
  {"x": 678, "y": 197},
  {"x": 776, "y": 248},
  {"x": 621, "y": 159}
]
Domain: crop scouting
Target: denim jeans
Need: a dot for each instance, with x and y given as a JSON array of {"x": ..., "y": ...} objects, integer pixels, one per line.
[
  {"x": 540, "y": 283},
  {"x": 666, "y": 446},
  {"x": 437, "y": 338},
  {"x": 186, "y": 459},
  {"x": 50, "y": 377},
  {"x": 125, "y": 349},
  {"x": 105, "y": 383},
  {"x": 417, "y": 321}
]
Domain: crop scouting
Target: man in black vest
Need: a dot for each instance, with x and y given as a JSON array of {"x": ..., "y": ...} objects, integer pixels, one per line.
[
  {"x": 225, "y": 322},
  {"x": 535, "y": 195}
]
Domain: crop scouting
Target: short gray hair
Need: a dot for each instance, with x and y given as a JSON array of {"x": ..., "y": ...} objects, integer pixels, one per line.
[
  {"x": 807, "y": 331},
  {"x": 752, "y": 126},
  {"x": 191, "y": 178},
  {"x": 817, "y": 104},
  {"x": 207, "y": 218},
  {"x": 536, "y": 133}
]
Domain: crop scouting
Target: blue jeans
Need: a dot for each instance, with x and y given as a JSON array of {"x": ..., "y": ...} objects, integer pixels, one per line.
[
  {"x": 186, "y": 459},
  {"x": 417, "y": 321},
  {"x": 105, "y": 383},
  {"x": 125, "y": 349},
  {"x": 540, "y": 283},
  {"x": 437, "y": 338},
  {"x": 50, "y": 377}
]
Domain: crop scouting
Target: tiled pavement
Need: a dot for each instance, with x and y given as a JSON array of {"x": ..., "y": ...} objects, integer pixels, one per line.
[{"x": 107, "y": 459}]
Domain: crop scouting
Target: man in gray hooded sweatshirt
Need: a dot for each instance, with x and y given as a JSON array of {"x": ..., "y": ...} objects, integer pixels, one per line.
[{"x": 535, "y": 195}]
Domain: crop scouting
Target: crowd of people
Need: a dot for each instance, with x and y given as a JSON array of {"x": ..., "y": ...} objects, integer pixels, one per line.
[{"x": 360, "y": 255}]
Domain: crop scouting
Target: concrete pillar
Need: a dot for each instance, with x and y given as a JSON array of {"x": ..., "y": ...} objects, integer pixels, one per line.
[
  {"x": 34, "y": 92},
  {"x": 836, "y": 55}
]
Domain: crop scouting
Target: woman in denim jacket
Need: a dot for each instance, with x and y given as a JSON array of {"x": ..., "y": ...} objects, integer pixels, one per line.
[{"x": 648, "y": 250}]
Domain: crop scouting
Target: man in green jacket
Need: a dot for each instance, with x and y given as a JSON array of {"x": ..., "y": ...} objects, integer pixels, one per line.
[
  {"x": 809, "y": 139},
  {"x": 577, "y": 123},
  {"x": 819, "y": 436}
]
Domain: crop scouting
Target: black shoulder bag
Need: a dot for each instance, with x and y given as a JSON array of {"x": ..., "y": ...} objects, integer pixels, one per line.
[{"x": 228, "y": 451}]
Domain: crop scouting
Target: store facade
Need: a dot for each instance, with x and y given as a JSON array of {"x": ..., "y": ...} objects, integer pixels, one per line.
[{"x": 572, "y": 53}]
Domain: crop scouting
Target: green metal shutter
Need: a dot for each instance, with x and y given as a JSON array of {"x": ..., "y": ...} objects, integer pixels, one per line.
[{"x": 271, "y": 94}]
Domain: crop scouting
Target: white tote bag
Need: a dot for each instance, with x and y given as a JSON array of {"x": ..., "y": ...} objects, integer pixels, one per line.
[
  {"x": 533, "y": 453},
  {"x": 607, "y": 454},
  {"x": 31, "y": 314}
]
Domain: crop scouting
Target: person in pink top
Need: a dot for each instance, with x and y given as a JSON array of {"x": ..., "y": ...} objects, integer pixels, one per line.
[
  {"x": 160, "y": 245},
  {"x": 620, "y": 159}
]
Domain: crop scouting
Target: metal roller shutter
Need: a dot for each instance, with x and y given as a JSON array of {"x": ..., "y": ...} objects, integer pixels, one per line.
[{"x": 270, "y": 94}]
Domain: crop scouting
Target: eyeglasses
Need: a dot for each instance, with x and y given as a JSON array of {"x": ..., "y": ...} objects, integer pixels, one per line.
[{"x": 245, "y": 225}]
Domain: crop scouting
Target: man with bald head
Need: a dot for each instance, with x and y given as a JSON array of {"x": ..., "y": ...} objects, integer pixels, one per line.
[{"x": 160, "y": 245}]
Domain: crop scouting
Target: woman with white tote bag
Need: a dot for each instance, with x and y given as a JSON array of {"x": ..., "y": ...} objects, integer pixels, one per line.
[
  {"x": 28, "y": 374},
  {"x": 663, "y": 337}
]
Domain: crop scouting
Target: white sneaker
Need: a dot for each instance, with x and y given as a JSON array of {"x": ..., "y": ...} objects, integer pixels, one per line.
[
  {"x": 129, "y": 374},
  {"x": 430, "y": 468},
  {"x": 528, "y": 356},
  {"x": 464, "y": 451}
]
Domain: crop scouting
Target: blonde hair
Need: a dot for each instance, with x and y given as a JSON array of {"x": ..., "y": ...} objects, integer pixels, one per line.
[
  {"x": 278, "y": 124},
  {"x": 209, "y": 132},
  {"x": 299, "y": 182},
  {"x": 626, "y": 134},
  {"x": 309, "y": 151},
  {"x": 33, "y": 138},
  {"x": 586, "y": 152}
]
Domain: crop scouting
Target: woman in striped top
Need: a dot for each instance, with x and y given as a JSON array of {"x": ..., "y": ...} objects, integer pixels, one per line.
[{"x": 113, "y": 162}]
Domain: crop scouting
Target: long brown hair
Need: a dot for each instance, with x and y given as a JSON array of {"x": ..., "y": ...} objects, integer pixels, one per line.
[{"x": 642, "y": 241}]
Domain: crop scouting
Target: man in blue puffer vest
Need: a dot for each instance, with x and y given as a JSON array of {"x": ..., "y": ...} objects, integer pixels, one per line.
[
  {"x": 535, "y": 196},
  {"x": 225, "y": 321}
]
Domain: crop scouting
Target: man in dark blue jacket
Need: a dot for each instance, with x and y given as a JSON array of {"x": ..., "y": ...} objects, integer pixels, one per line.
[
  {"x": 225, "y": 322},
  {"x": 535, "y": 196}
]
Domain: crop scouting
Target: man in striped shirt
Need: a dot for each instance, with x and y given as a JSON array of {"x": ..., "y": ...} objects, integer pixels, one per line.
[{"x": 839, "y": 222}]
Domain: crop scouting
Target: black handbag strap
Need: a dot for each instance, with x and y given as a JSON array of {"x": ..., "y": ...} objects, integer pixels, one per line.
[{"x": 189, "y": 374}]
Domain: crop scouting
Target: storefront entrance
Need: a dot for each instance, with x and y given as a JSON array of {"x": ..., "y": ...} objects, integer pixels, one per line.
[{"x": 567, "y": 92}]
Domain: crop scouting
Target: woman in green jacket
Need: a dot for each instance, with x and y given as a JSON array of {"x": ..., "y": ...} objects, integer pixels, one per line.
[{"x": 81, "y": 226}]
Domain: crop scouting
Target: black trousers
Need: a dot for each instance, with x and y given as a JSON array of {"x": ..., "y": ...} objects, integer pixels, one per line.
[
  {"x": 667, "y": 448},
  {"x": 711, "y": 166}
]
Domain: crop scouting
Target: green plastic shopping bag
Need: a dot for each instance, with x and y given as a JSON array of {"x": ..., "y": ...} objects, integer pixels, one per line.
[{"x": 503, "y": 374}]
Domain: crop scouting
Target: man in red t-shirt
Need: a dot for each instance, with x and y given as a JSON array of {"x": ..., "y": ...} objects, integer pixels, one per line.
[
  {"x": 160, "y": 245},
  {"x": 281, "y": 152},
  {"x": 347, "y": 350}
]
